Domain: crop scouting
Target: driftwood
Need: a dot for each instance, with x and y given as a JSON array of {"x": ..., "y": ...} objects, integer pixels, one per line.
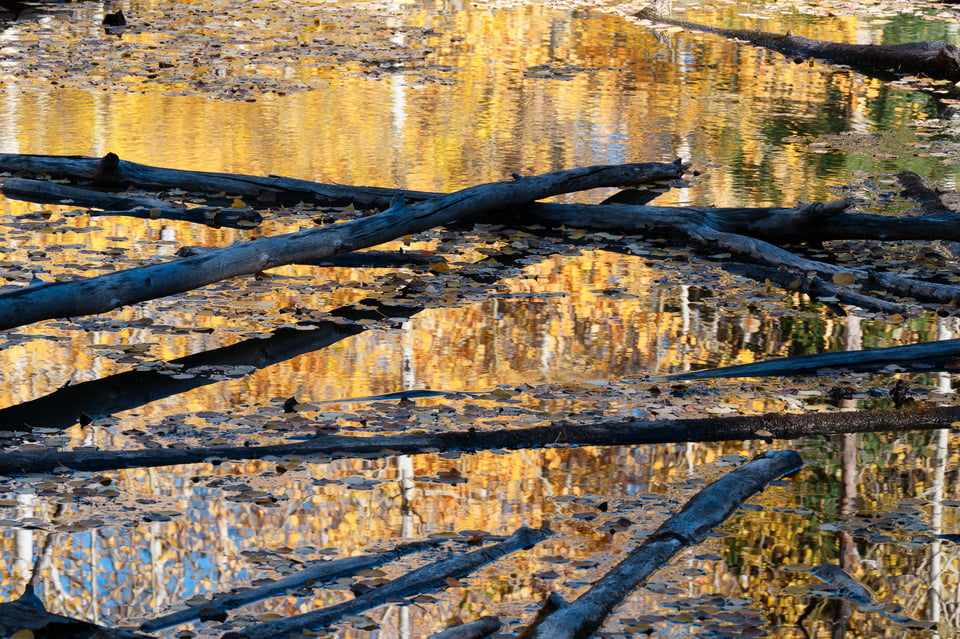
[
  {"x": 314, "y": 573},
  {"x": 621, "y": 433},
  {"x": 792, "y": 225},
  {"x": 425, "y": 578},
  {"x": 482, "y": 627},
  {"x": 708, "y": 508},
  {"x": 936, "y": 60},
  {"x": 111, "y": 171},
  {"x": 28, "y": 613},
  {"x": 106, "y": 292},
  {"x": 815, "y": 286},
  {"x": 807, "y": 223},
  {"x": 932, "y": 206},
  {"x": 927, "y": 357},
  {"x": 752, "y": 234},
  {"x": 129, "y": 206}
]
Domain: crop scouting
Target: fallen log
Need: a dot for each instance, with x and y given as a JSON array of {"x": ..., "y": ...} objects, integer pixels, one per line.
[
  {"x": 801, "y": 224},
  {"x": 98, "y": 398},
  {"x": 621, "y": 433},
  {"x": 929, "y": 356},
  {"x": 482, "y": 627},
  {"x": 356, "y": 259},
  {"x": 111, "y": 171},
  {"x": 936, "y": 60},
  {"x": 932, "y": 206},
  {"x": 107, "y": 292},
  {"x": 311, "y": 574},
  {"x": 128, "y": 206},
  {"x": 750, "y": 234},
  {"x": 747, "y": 233},
  {"x": 707, "y": 509},
  {"x": 425, "y": 578},
  {"x": 815, "y": 287},
  {"x": 788, "y": 225}
]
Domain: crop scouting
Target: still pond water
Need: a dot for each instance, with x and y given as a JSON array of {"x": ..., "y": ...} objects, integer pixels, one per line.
[{"x": 439, "y": 96}]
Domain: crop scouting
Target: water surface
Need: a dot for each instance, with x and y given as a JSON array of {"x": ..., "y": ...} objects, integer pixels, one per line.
[{"x": 440, "y": 96}]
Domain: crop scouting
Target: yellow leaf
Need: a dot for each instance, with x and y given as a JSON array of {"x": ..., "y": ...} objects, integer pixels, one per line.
[
  {"x": 439, "y": 267},
  {"x": 22, "y": 634},
  {"x": 238, "y": 203},
  {"x": 844, "y": 279}
]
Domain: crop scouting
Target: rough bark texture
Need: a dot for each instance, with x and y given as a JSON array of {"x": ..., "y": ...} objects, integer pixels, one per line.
[
  {"x": 751, "y": 234},
  {"x": 707, "y": 509}
]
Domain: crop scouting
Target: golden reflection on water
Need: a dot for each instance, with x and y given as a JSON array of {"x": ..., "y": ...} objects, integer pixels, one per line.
[
  {"x": 525, "y": 89},
  {"x": 500, "y": 90}
]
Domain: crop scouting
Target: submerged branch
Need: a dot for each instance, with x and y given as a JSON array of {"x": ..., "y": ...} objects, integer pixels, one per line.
[
  {"x": 315, "y": 573},
  {"x": 98, "y": 398},
  {"x": 928, "y": 357},
  {"x": 621, "y": 433},
  {"x": 129, "y": 206},
  {"x": 482, "y": 627},
  {"x": 936, "y": 60},
  {"x": 419, "y": 580}
]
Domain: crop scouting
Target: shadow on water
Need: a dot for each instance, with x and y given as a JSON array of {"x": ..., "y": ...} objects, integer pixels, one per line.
[{"x": 99, "y": 398}]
